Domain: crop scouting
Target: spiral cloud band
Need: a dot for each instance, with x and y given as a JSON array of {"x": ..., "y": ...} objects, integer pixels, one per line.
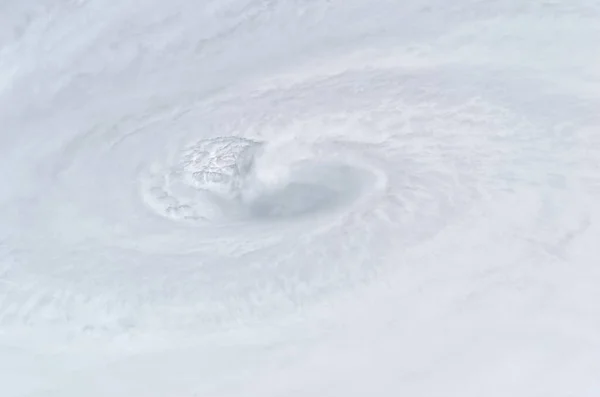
[{"x": 275, "y": 198}]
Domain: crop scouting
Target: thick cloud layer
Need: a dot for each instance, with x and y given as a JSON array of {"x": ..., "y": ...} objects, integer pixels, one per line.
[{"x": 269, "y": 198}]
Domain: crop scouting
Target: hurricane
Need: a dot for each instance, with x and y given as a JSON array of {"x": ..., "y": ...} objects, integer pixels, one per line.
[{"x": 291, "y": 198}]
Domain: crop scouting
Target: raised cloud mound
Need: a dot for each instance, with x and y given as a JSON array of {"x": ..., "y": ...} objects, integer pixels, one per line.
[
  {"x": 204, "y": 183},
  {"x": 219, "y": 165}
]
